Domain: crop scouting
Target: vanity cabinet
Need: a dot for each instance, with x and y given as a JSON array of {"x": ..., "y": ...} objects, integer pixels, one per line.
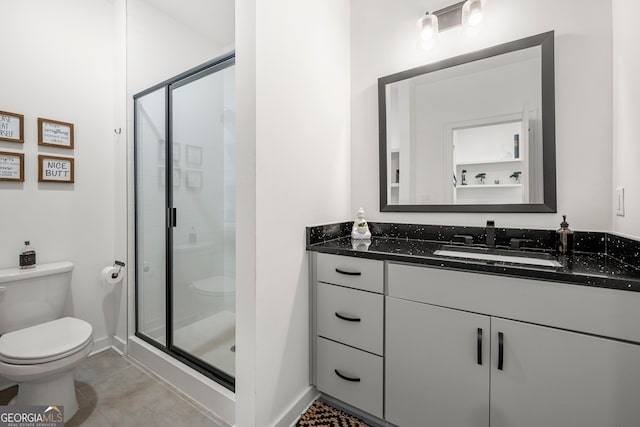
[
  {"x": 452, "y": 367},
  {"x": 437, "y": 366},
  {"x": 417, "y": 346},
  {"x": 348, "y": 328}
]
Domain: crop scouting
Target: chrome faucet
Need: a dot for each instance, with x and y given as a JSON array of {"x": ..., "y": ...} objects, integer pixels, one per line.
[{"x": 491, "y": 234}]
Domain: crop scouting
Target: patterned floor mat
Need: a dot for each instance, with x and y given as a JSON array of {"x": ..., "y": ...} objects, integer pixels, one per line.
[{"x": 320, "y": 414}]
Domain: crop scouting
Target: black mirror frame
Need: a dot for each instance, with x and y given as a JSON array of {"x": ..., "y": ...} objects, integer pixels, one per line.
[{"x": 546, "y": 41}]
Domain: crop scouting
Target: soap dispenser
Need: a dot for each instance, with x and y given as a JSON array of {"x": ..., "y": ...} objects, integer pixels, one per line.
[
  {"x": 565, "y": 237},
  {"x": 27, "y": 256}
]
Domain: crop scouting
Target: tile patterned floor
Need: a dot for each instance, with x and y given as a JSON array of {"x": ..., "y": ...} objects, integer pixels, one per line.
[{"x": 117, "y": 392}]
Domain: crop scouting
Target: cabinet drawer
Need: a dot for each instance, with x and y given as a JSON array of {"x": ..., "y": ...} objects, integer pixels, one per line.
[
  {"x": 359, "y": 273},
  {"x": 350, "y": 316},
  {"x": 606, "y": 312},
  {"x": 334, "y": 359}
]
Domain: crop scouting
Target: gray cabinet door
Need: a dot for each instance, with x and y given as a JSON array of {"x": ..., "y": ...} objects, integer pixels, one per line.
[
  {"x": 555, "y": 378},
  {"x": 432, "y": 374}
]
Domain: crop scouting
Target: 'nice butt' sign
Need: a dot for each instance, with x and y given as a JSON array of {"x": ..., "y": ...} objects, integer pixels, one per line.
[{"x": 55, "y": 169}]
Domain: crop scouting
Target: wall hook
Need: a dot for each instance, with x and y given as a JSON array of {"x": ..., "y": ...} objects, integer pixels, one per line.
[{"x": 118, "y": 131}]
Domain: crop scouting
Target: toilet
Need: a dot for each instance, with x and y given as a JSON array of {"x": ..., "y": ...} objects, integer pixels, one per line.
[
  {"x": 214, "y": 294},
  {"x": 39, "y": 349}
]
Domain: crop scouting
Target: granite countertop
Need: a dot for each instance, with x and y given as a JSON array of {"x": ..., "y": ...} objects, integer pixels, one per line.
[{"x": 604, "y": 260}]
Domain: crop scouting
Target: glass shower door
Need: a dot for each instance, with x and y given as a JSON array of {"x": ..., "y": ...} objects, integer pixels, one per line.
[
  {"x": 203, "y": 236},
  {"x": 185, "y": 218},
  {"x": 151, "y": 252}
]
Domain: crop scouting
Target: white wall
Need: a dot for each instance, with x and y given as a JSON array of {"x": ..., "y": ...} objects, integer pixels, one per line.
[
  {"x": 384, "y": 36},
  {"x": 161, "y": 46},
  {"x": 59, "y": 64},
  {"x": 302, "y": 167},
  {"x": 245, "y": 20},
  {"x": 626, "y": 127},
  {"x": 120, "y": 197}
]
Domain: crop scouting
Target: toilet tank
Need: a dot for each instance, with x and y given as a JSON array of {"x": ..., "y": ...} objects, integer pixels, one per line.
[{"x": 32, "y": 296}]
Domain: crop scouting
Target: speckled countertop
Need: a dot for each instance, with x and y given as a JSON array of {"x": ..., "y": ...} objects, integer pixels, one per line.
[{"x": 600, "y": 259}]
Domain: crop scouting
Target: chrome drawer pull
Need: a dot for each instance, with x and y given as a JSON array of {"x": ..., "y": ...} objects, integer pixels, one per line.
[
  {"x": 348, "y": 273},
  {"x": 344, "y": 377},
  {"x": 347, "y": 318}
]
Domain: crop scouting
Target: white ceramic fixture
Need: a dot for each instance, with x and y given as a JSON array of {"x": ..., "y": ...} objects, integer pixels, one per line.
[
  {"x": 213, "y": 295},
  {"x": 39, "y": 349},
  {"x": 499, "y": 258}
]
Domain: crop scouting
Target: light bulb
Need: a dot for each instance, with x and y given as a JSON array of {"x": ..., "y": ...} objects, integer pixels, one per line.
[
  {"x": 428, "y": 27},
  {"x": 426, "y": 33},
  {"x": 475, "y": 13},
  {"x": 472, "y": 17}
]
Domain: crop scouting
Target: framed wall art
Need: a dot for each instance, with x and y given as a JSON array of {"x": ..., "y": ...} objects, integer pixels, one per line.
[
  {"x": 193, "y": 179},
  {"x": 11, "y": 127},
  {"x": 193, "y": 155},
  {"x": 54, "y": 133},
  {"x": 11, "y": 166},
  {"x": 55, "y": 169}
]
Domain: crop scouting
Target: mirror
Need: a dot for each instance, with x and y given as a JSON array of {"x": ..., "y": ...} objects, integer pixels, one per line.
[{"x": 474, "y": 133}]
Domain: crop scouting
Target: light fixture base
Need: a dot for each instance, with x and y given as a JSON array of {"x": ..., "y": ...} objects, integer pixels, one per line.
[{"x": 450, "y": 16}]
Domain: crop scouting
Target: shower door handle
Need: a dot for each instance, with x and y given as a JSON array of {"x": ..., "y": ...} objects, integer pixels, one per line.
[{"x": 171, "y": 215}]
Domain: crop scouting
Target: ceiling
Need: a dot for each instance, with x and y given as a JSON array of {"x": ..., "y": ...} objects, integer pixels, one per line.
[{"x": 214, "y": 19}]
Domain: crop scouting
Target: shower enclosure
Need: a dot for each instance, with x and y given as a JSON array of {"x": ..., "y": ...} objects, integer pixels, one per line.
[{"x": 185, "y": 218}]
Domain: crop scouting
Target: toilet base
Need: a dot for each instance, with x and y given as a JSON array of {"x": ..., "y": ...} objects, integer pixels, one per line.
[{"x": 57, "y": 390}]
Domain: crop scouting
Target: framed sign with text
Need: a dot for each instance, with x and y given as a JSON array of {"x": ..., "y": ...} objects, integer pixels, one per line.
[
  {"x": 55, "y": 169},
  {"x": 54, "y": 133},
  {"x": 11, "y": 127},
  {"x": 11, "y": 166}
]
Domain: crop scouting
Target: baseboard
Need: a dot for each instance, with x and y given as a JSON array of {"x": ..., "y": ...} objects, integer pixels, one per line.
[
  {"x": 100, "y": 345},
  {"x": 351, "y": 410},
  {"x": 119, "y": 345},
  {"x": 298, "y": 407}
]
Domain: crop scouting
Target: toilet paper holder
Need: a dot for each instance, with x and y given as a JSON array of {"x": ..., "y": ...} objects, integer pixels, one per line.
[{"x": 120, "y": 264}]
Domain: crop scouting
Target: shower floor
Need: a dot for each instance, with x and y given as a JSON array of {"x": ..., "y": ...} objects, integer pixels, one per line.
[{"x": 210, "y": 339}]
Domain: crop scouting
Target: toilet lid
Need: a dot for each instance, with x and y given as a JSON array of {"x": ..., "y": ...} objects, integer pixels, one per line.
[
  {"x": 214, "y": 285},
  {"x": 45, "y": 342}
]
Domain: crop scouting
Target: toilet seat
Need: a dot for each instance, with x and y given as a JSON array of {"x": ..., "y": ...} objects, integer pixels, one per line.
[{"x": 46, "y": 342}]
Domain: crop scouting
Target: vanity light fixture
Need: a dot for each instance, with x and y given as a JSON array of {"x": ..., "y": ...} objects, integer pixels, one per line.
[
  {"x": 466, "y": 13},
  {"x": 472, "y": 17},
  {"x": 428, "y": 30}
]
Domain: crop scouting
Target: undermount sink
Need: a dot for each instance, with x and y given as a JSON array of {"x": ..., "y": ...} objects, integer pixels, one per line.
[{"x": 499, "y": 255}]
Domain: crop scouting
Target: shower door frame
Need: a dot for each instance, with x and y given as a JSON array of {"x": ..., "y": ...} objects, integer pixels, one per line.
[{"x": 218, "y": 64}]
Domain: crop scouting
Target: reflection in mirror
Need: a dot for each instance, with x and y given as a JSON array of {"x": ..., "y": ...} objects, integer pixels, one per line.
[{"x": 472, "y": 133}]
